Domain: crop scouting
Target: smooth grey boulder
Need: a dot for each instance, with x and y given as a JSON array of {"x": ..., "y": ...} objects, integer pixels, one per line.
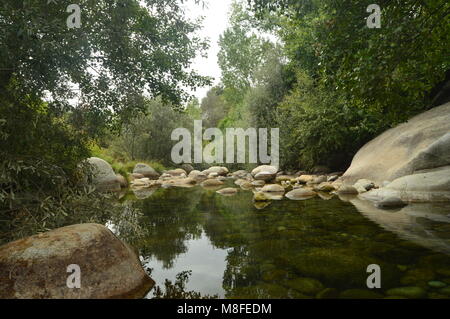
[
  {"x": 145, "y": 170},
  {"x": 422, "y": 143},
  {"x": 268, "y": 169},
  {"x": 430, "y": 186},
  {"x": 103, "y": 177}
]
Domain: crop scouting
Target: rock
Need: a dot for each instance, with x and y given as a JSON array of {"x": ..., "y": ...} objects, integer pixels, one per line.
[
  {"x": 332, "y": 178},
  {"x": 347, "y": 189},
  {"x": 430, "y": 186},
  {"x": 437, "y": 284},
  {"x": 187, "y": 168},
  {"x": 275, "y": 188},
  {"x": 146, "y": 170},
  {"x": 307, "y": 286},
  {"x": 319, "y": 179},
  {"x": 213, "y": 175},
  {"x": 284, "y": 178},
  {"x": 36, "y": 267},
  {"x": 337, "y": 184},
  {"x": 246, "y": 185},
  {"x": 227, "y": 191},
  {"x": 325, "y": 196},
  {"x": 303, "y": 179},
  {"x": 240, "y": 174},
  {"x": 408, "y": 292},
  {"x": 258, "y": 183},
  {"x": 300, "y": 194},
  {"x": 211, "y": 183},
  {"x": 122, "y": 181},
  {"x": 328, "y": 293},
  {"x": 261, "y": 204},
  {"x": 421, "y": 143},
  {"x": 103, "y": 176},
  {"x": 390, "y": 202},
  {"x": 417, "y": 277},
  {"x": 197, "y": 175},
  {"x": 360, "y": 294},
  {"x": 134, "y": 176},
  {"x": 325, "y": 187},
  {"x": 176, "y": 172},
  {"x": 194, "y": 173},
  {"x": 143, "y": 182},
  {"x": 445, "y": 291},
  {"x": 260, "y": 197},
  {"x": 348, "y": 269},
  {"x": 265, "y": 176},
  {"x": 180, "y": 182},
  {"x": 364, "y": 185},
  {"x": 274, "y": 195},
  {"x": 300, "y": 173},
  {"x": 223, "y": 171},
  {"x": 265, "y": 168}
]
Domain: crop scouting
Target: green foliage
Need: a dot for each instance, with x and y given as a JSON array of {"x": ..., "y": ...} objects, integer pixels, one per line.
[
  {"x": 120, "y": 162},
  {"x": 317, "y": 126},
  {"x": 131, "y": 46},
  {"x": 242, "y": 50},
  {"x": 147, "y": 136},
  {"x": 353, "y": 82},
  {"x": 213, "y": 107}
]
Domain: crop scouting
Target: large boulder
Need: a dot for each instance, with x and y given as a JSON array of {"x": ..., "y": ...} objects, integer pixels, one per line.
[
  {"x": 103, "y": 176},
  {"x": 37, "y": 266},
  {"x": 430, "y": 186},
  {"x": 421, "y": 143},
  {"x": 145, "y": 170}
]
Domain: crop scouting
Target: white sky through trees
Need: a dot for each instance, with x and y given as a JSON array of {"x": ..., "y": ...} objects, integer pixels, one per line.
[{"x": 214, "y": 24}]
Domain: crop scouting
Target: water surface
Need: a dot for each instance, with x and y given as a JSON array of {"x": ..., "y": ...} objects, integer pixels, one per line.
[{"x": 291, "y": 249}]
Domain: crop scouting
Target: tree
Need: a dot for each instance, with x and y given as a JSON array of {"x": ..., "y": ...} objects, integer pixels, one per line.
[
  {"x": 213, "y": 107},
  {"x": 124, "y": 49},
  {"x": 241, "y": 50}
]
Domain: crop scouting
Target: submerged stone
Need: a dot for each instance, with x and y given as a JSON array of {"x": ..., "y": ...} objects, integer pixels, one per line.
[
  {"x": 436, "y": 284},
  {"x": 328, "y": 293},
  {"x": 307, "y": 286},
  {"x": 408, "y": 292}
]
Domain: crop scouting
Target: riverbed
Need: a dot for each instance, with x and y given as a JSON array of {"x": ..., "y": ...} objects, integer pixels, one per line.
[{"x": 313, "y": 248}]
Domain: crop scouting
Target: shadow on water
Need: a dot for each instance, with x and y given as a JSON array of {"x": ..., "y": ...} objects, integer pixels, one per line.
[{"x": 289, "y": 249}]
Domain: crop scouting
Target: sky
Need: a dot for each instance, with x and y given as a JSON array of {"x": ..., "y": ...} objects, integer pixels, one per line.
[{"x": 215, "y": 22}]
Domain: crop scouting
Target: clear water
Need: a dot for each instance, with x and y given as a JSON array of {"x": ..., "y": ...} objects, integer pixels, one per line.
[{"x": 291, "y": 249}]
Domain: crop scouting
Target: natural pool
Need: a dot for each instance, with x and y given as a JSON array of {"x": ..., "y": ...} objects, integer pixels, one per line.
[{"x": 290, "y": 249}]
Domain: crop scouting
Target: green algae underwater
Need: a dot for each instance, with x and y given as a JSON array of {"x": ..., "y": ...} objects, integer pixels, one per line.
[{"x": 313, "y": 248}]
